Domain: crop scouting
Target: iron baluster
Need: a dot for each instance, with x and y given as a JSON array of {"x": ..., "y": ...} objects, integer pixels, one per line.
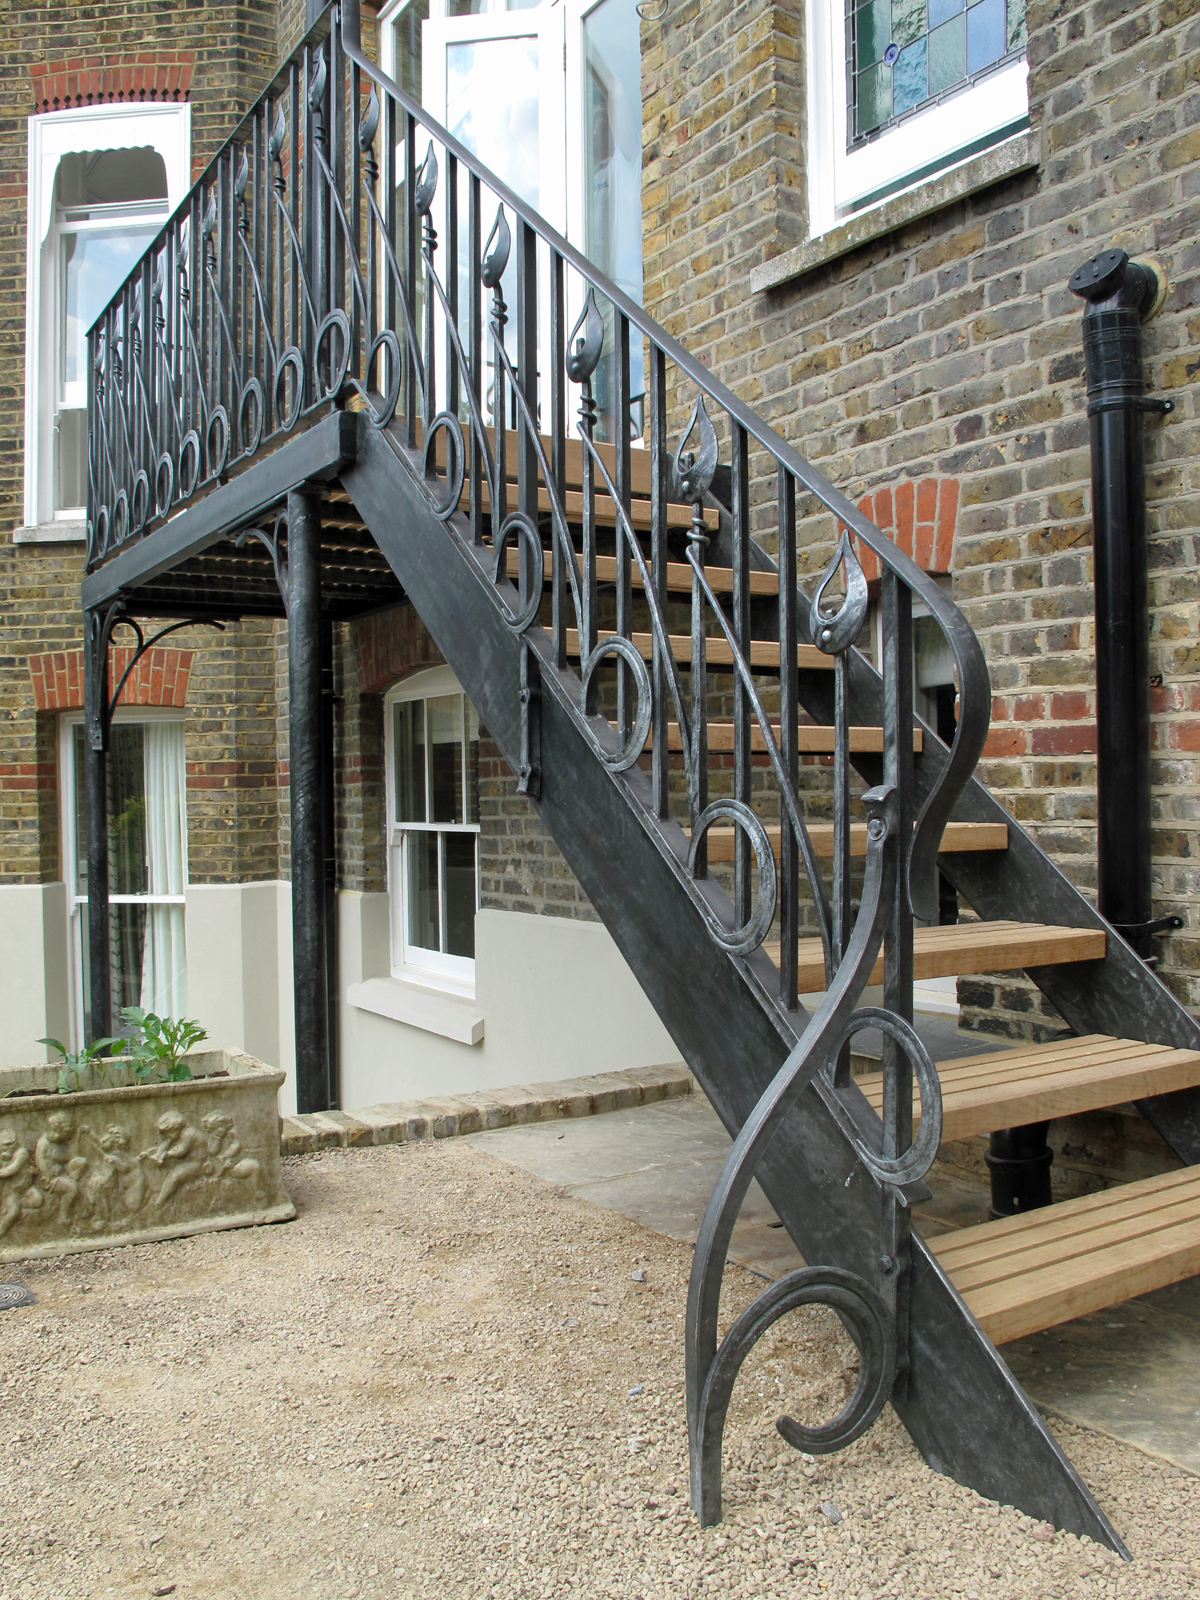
[
  {"x": 740, "y": 510},
  {"x": 789, "y": 717},
  {"x": 663, "y": 660},
  {"x": 495, "y": 259},
  {"x": 558, "y": 450},
  {"x": 454, "y": 268},
  {"x": 622, "y": 474},
  {"x": 475, "y": 372},
  {"x": 581, "y": 364},
  {"x": 528, "y": 413}
]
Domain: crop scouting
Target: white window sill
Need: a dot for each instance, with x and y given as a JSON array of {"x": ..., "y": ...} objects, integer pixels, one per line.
[
  {"x": 64, "y": 532},
  {"x": 1017, "y": 154},
  {"x": 433, "y": 1010}
]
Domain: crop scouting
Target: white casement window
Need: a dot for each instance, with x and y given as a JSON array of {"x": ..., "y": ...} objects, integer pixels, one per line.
[
  {"x": 432, "y": 761},
  {"x": 147, "y": 863},
  {"x": 102, "y": 181},
  {"x": 899, "y": 90},
  {"x": 547, "y": 93}
]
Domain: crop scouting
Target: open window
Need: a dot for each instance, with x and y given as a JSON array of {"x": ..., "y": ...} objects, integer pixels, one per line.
[
  {"x": 432, "y": 752},
  {"x": 102, "y": 181},
  {"x": 899, "y": 90}
]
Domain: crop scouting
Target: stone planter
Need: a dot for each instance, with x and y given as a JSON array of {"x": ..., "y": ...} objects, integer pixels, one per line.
[{"x": 112, "y": 1166}]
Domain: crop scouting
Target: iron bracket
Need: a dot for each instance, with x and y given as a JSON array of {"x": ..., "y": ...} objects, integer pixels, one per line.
[
  {"x": 1140, "y": 930},
  {"x": 529, "y": 696}
]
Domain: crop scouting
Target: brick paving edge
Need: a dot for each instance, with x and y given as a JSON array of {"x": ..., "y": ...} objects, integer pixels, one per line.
[{"x": 451, "y": 1116}]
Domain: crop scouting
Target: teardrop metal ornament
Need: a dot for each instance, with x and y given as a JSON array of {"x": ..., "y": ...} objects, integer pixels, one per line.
[
  {"x": 278, "y": 134},
  {"x": 427, "y": 182},
  {"x": 243, "y": 175},
  {"x": 316, "y": 87},
  {"x": 586, "y": 341},
  {"x": 693, "y": 469},
  {"x": 495, "y": 251},
  {"x": 836, "y": 630},
  {"x": 369, "y": 122},
  {"x": 210, "y": 215}
]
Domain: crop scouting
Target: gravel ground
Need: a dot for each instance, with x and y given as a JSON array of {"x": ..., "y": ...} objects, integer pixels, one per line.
[{"x": 443, "y": 1379}]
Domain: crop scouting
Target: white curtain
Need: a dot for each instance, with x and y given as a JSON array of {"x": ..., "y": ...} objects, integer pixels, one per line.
[{"x": 164, "y": 963}]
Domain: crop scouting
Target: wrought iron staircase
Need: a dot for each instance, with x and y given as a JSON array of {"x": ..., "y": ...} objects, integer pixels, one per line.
[{"x": 305, "y": 402}]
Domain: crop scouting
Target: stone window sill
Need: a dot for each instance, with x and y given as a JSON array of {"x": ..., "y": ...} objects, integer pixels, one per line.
[
  {"x": 1017, "y": 154},
  {"x": 51, "y": 533},
  {"x": 433, "y": 1010}
]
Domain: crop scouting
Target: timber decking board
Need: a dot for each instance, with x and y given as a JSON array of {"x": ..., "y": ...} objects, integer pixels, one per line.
[
  {"x": 1023, "y": 1274},
  {"x": 967, "y": 947},
  {"x": 572, "y": 505},
  {"x": 679, "y": 574},
  {"x": 1009, "y": 1088},
  {"x": 811, "y": 738},
  {"x": 957, "y": 836},
  {"x": 762, "y": 652}
]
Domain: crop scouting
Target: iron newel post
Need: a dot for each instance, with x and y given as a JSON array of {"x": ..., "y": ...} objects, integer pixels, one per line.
[{"x": 1120, "y": 294}]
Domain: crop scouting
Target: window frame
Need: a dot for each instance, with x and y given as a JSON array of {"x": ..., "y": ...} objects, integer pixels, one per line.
[
  {"x": 410, "y": 961},
  {"x": 69, "y": 855},
  {"x": 165, "y": 128},
  {"x": 844, "y": 184}
]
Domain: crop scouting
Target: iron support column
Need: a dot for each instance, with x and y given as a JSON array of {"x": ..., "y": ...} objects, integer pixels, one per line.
[
  {"x": 95, "y": 744},
  {"x": 306, "y": 717}
]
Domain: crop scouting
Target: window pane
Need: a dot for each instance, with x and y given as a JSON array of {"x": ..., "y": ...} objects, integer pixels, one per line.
[
  {"x": 446, "y": 757},
  {"x": 947, "y": 55},
  {"x": 874, "y": 27},
  {"x": 612, "y": 147},
  {"x": 492, "y": 106},
  {"x": 1016, "y": 24},
  {"x": 985, "y": 34},
  {"x": 874, "y": 97},
  {"x": 942, "y": 10},
  {"x": 472, "y": 763},
  {"x": 423, "y": 890},
  {"x": 460, "y": 894},
  {"x": 910, "y": 78},
  {"x": 126, "y": 943},
  {"x": 94, "y": 263},
  {"x": 70, "y": 463},
  {"x": 127, "y": 814},
  {"x": 908, "y": 21},
  {"x": 406, "y": 34},
  {"x": 409, "y": 736},
  {"x": 465, "y": 8}
]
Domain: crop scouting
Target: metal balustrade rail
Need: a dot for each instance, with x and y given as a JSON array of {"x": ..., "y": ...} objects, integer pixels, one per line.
[{"x": 302, "y": 275}]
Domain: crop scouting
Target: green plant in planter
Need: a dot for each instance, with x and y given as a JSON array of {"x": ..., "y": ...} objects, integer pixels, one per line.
[
  {"x": 157, "y": 1047},
  {"x": 86, "y": 1061}
]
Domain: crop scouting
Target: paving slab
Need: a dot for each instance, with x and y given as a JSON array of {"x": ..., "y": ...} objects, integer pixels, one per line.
[{"x": 1130, "y": 1371}]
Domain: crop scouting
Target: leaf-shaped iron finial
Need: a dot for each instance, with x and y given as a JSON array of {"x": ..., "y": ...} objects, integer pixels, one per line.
[
  {"x": 586, "y": 341},
  {"x": 694, "y": 468},
  {"x": 210, "y": 215},
  {"x": 495, "y": 251},
  {"x": 369, "y": 122},
  {"x": 836, "y": 630},
  {"x": 278, "y": 133},
  {"x": 427, "y": 182},
  {"x": 243, "y": 176},
  {"x": 316, "y": 87}
]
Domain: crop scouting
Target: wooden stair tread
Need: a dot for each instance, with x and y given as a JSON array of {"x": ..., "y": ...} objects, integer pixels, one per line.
[
  {"x": 958, "y": 836},
  {"x": 679, "y": 574},
  {"x": 763, "y": 652},
  {"x": 640, "y": 515},
  {"x": 968, "y": 947},
  {"x": 1022, "y": 1274},
  {"x": 1008, "y": 1088},
  {"x": 811, "y": 738}
]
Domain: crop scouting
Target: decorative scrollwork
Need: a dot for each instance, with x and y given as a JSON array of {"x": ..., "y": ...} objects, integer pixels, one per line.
[
  {"x": 456, "y": 462},
  {"x": 624, "y": 758},
  {"x": 913, "y": 1163},
  {"x": 868, "y": 1322},
  {"x": 741, "y": 941},
  {"x": 530, "y": 567},
  {"x": 694, "y": 468},
  {"x": 834, "y": 631}
]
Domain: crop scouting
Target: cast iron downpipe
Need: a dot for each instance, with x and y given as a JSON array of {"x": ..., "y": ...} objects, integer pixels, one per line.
[{"x": 1119, "y": 294}]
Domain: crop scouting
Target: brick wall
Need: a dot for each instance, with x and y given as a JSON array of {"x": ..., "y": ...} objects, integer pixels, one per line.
[{"x": 951, "y": 348}]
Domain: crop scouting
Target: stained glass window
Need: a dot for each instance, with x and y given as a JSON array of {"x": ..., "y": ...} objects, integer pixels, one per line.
[{"x": 903, "y": 54}]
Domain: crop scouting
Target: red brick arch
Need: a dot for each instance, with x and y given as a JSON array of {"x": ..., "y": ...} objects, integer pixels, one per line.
[
  {"x": 918, "y": 515},
  {"x": 129, "y": 78},
  {"x": 159, "y": 679}
]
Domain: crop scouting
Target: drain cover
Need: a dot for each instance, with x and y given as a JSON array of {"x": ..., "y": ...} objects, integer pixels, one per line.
[{"x": 15, "y": 1294}]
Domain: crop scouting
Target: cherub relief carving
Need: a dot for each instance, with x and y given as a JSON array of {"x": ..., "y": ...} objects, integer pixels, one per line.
[
  {"x": 19, "y": 1195},
  {"x": 58, "y": 1171},
  {"x": 227, "y": 1159},
  {"x": 184, "y": 1147}
]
